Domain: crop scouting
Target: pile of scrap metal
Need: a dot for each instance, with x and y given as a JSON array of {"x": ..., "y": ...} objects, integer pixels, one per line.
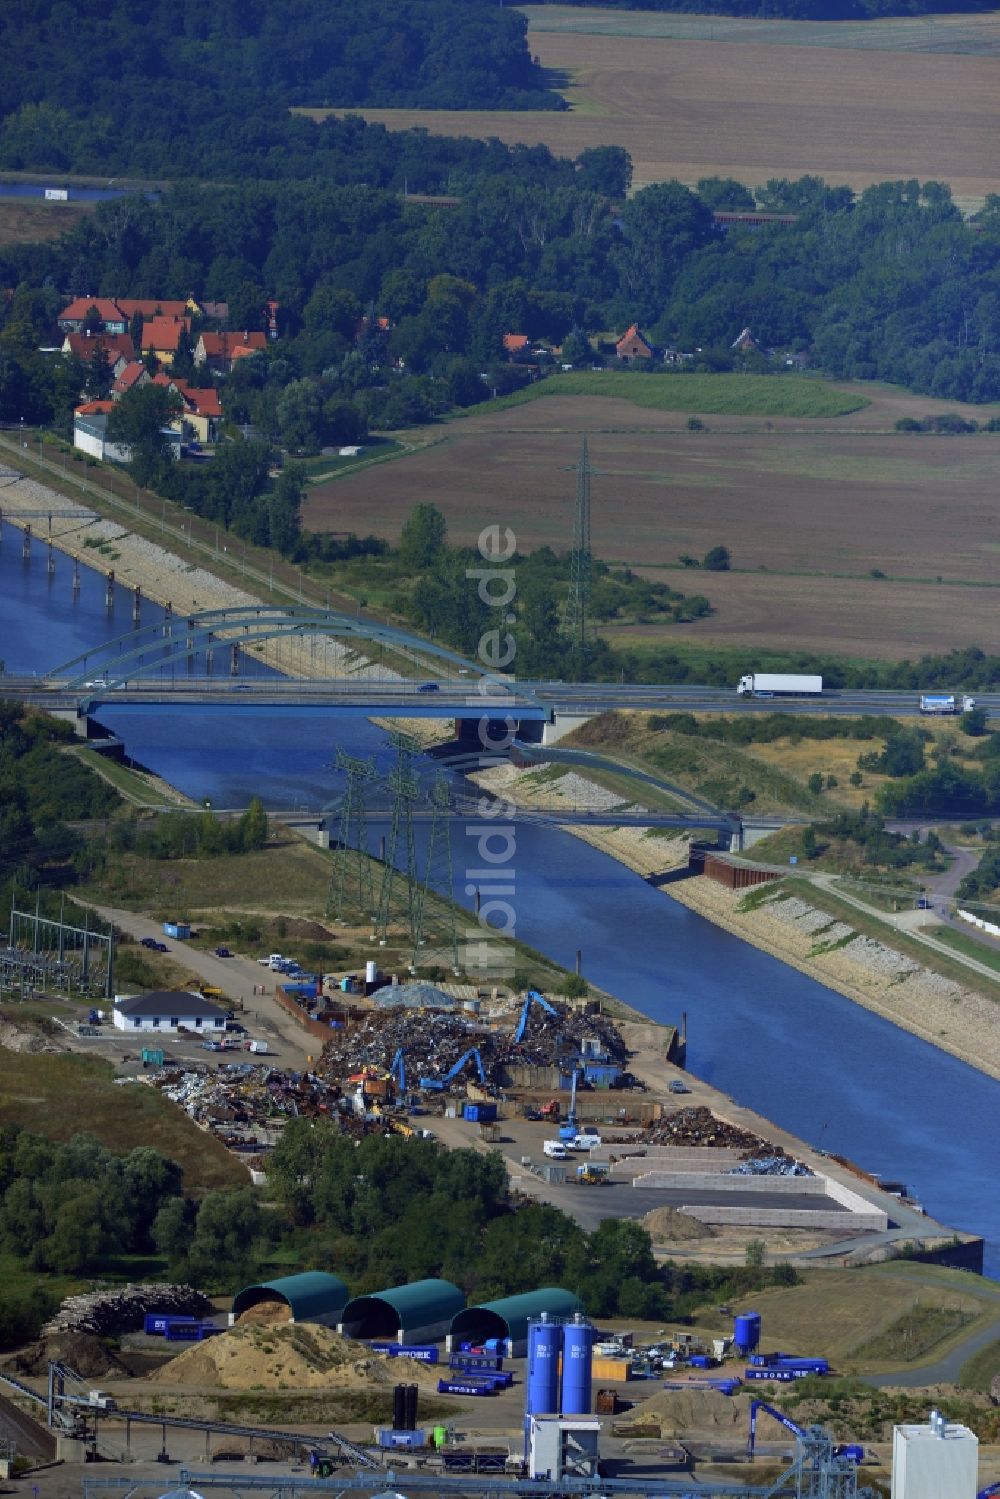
[
  {"x": 699, "y": 1126},
  {"x": 400, "y": 1051}
]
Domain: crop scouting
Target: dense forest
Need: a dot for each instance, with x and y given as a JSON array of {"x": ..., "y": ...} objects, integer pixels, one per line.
[{"x": 176, "y": 62}]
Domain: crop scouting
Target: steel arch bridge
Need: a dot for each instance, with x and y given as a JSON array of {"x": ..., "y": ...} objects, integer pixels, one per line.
[{"x": 177, "y": 639}]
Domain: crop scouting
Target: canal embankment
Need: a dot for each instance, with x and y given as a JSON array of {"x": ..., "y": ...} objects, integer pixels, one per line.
[{"x": 811, "y": 931}]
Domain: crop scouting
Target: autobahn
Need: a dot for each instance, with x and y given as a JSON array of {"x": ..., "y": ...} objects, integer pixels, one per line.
[{"x": 452, "y": 697}]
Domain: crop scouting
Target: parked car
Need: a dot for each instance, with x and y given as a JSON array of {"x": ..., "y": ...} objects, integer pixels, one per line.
[
  {"x": 676, "y": 1086},
  {"x": 223, "y": 952},
  {"x": 161, "y": 947},
  {"x": 148, "y": 942},
  {"x": 235, "y": 1028}
]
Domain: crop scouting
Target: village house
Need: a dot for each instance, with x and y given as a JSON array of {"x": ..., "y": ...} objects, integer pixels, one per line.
[
  {"x": 169, "y": 1010},
  {"x": 151, "y": 307},
  {"x": 132, "y": 377},
  {"x": 200, "y": 414},
  {"x": 220, "y": 351},
  {"x": 117, "y": 346},
  {"x": 515, "y": 345},
  {"x": 90, "y": 434},
  {"x": 112, "y": 319},
  {"x": 161, "y": 335},
  {"x": 634, "y": 345}
]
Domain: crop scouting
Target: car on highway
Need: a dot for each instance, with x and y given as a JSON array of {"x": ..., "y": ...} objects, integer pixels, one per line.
[
  {"x": 429, "y": 687},
  {"x": 241, "y": 686}
]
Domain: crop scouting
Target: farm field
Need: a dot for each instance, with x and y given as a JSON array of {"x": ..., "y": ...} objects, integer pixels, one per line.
[
  {"x": 807, "y": 508},
  {"x": 871, "y": 107}
]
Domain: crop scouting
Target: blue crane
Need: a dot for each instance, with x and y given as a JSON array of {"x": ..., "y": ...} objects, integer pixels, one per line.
[
  {"x": 398, "y": 1069},
  {"x": 437, "y": 1084},
  {"x": 850, "y": 1450},
  {"x": 533, "y": 998}
]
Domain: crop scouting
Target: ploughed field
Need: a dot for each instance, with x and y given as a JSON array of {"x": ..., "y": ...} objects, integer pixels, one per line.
[
  {"x": 808, "y": 510},
  {"x": 687, "y": 105}
]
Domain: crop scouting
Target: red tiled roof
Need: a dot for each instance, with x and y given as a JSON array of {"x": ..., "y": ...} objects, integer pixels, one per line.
[
  {"x": 116, "y": 345},
  {"x": 164, "y": 332},
  {"x": 232, "y": 345},
  {"x": 77, "y": 310},
  {"x": 633, "y": 333},
  {"x": 152, "y": 307},
  {"x": 201, "y": 402},
  {"x": 130, "y": 375},
  {"x": 95, "y": 408},
  {"x": 515, "y": 342}
]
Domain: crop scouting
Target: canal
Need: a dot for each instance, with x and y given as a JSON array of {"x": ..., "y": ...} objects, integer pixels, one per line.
[{"x": 799, "y": 1053}]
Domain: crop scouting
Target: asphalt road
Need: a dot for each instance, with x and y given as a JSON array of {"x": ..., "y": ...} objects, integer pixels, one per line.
[{"x": 236, "y": 977}]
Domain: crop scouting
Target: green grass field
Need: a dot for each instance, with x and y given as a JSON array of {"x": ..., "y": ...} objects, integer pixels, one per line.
[
  {"x": 720, "y": 395},
  {"x": 60, "y": 1096}
]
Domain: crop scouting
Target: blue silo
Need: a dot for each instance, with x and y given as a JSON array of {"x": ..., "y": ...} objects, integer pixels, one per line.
[
  {"x": 578, "y": 1339},
  {"x": 746, "y": 1332},
  {"x": 544, "y": 1348}
]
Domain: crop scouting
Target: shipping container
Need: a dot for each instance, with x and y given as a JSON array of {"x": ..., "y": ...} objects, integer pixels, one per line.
[
  {"x": 480, "y": 1113},
  {"x": 783, "y": 1375},
  {"x": 488, "y": 1362},
  {"x": 607, "y": 1403},
  {"x": 467, "y": 1385},
  {"x": 427, "y": 1353},
  {"x": 387, "y": 1436},
  {"x": 611, "y": 1368},
  {"x": 154, "y": 1324}
]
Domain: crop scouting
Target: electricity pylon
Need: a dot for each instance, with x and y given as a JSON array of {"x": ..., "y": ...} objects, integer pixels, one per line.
[
  {"x": 405, "y": 790},
  {"x": 351, "y": 875},
  {"x": 438, "y": 874}
]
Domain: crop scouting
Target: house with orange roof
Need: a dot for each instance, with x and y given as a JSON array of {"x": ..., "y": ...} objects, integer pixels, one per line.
[
  {"x": 131, "y": 377},
  {"x": 220, "y": 351},
  {"x": 634, "y": 345},
  {"x": 200, "y": 413},
  {"x": 515, "y": 344},
  {"x": 90, "y": 432},
  {"x": 117, "y": 346},
  {"x": 161, "y": 335},
  {"x": 152, "y": 307},
  {"x": 112, "y": 319}
]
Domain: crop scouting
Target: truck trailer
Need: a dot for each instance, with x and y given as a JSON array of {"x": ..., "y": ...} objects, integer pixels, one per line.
[
  {"x": 946, "y": 702},
  {"x": 779, "y": 684}
]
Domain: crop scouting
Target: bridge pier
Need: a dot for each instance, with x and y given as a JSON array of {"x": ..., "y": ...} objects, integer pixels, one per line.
[
  {"x": 76, "y": 575},
  {"x": 26, "y": 545},
  {"x": 136, "y": 604},
  {"x": 50, "y": 563},
  {"x": 109, "y": 590}
]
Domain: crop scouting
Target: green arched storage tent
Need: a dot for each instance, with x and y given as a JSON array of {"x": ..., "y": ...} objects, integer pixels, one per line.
[
  {"x": 312, "y": 1296},
  {"x": 508, "y": 1318},
  {"x": 416, "y": 1313}
]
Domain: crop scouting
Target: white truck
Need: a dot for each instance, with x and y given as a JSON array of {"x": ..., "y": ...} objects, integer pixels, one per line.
[
  {"x": 946, "y": 702},
  {"x": 778, "y": 684},
  {"x": 555, "y": 1150}
]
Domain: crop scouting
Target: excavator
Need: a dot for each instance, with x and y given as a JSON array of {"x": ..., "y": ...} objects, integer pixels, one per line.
[{"x": 438, "y": 1084}]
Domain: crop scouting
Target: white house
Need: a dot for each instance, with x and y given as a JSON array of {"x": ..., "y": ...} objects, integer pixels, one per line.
[{"x": 167, "y": 1010}]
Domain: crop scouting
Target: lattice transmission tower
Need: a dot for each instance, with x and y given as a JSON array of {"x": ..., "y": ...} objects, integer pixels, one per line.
[
  {"x": 578, "y": 623},
  {"x": 438, "y": 881},
  {"x": 352, "y": 885},
  {"x": 405, "y": 788}
]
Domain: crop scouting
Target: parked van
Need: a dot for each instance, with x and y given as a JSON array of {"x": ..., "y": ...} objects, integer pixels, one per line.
[{"x": 556, "y": 1150}]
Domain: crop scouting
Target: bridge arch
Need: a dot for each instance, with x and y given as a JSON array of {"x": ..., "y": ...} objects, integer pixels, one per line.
[{"x": 178, "y": 638}]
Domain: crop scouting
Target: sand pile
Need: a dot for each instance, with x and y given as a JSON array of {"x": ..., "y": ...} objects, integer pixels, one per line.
[
  {"x": 266, "y": 1314},
  {"x": 670, "y": 1226},
  {"x": 301, "y": 1356},
  {"x": 672, "y": 1413}
]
